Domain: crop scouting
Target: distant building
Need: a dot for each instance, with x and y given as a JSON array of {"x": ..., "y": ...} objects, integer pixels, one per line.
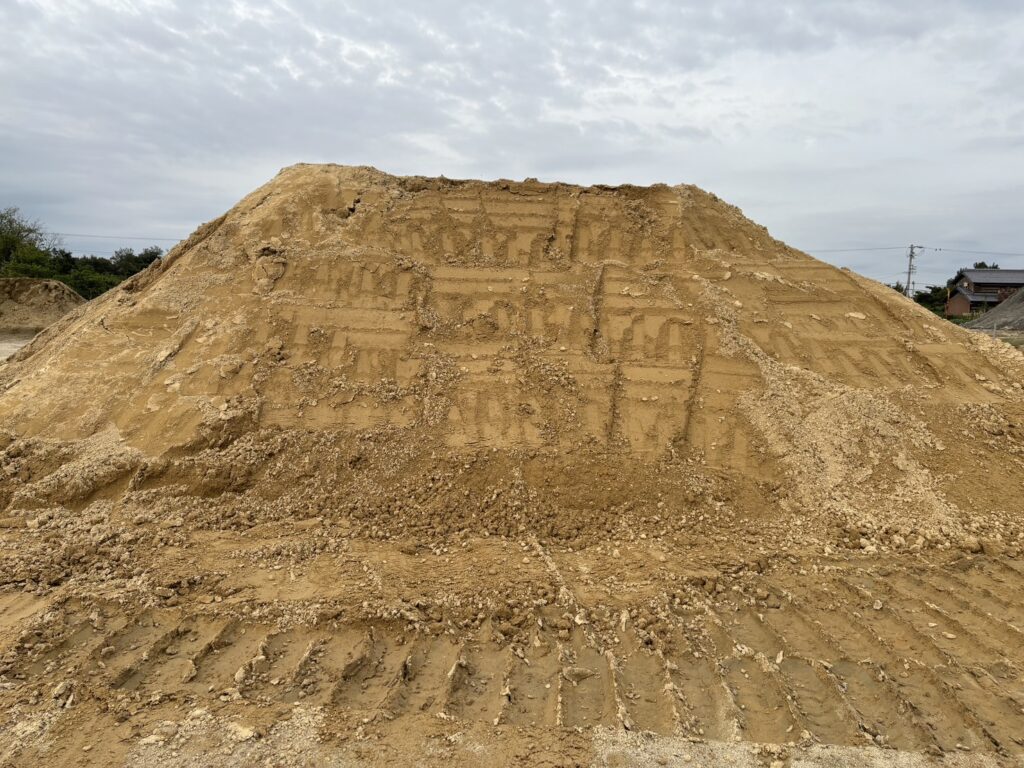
[{"x": 979, "y": 290}]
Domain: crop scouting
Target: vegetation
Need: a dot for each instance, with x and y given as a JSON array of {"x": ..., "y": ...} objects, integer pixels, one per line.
[{"x": 26, "y": 250}]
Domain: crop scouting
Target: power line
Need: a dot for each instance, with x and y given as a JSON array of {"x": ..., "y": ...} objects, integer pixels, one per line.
[
  {"x": 112, "y": 237},
  {"x": 901, "y": 247},
  {"x": 975, "y": 253},
  {"x": 850, "y": 250}
]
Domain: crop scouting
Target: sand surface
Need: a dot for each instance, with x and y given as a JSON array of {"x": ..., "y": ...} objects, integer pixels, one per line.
[{"x": 403, "y": 471}]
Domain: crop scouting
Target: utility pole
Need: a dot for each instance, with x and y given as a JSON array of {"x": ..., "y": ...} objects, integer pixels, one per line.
[{"x": 910, "y": 269}]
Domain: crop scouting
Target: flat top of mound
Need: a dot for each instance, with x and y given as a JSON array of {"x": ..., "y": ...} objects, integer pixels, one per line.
[{"x": 28, "y": 303}]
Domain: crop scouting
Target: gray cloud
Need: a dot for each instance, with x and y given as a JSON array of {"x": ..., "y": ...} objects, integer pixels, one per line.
[{"x": 836, "y": 124}]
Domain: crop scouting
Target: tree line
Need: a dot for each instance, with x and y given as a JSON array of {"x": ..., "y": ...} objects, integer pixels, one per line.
[{"x": 28, "y": 250}]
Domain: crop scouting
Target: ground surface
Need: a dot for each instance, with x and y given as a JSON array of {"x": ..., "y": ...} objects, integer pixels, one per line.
[
  {"x": 377, "y": 471},
  {"x": 12, "y": 342}
]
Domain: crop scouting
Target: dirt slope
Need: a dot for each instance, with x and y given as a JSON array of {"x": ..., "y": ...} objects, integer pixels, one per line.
[
  {"x": 30, "y": 304},
  {"x": 377, "y": 469}
]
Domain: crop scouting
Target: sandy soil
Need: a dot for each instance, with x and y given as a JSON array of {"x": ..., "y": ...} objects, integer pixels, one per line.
[{"x": 381, "y": 471}]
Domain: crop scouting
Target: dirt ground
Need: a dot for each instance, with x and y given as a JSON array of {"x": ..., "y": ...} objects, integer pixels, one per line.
[{"x": 403, "y": 471}]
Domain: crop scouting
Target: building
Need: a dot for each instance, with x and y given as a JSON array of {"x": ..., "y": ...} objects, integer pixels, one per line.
[{"x": 979, "y": 290}]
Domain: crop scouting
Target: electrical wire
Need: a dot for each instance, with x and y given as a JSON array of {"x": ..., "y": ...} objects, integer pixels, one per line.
[
  {"x": 973, "y": 253},
  {"x": 111, "y": 237},
  {"x": 851, "y": 250}
]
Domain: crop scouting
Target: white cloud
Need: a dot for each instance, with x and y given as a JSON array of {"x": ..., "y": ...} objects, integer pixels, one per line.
[{"x": 836, "y": 124}]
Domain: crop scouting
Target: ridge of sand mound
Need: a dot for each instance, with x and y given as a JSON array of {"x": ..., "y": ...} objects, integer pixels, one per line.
[
  {"x": 495, "y": 473},
  {"x": 31, "y": 304}
]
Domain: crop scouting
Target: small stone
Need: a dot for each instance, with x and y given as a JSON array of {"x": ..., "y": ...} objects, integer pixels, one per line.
[
  {"x": 577, "y": 674},
  {"x": 62, "y": 690},
  {"x": 239, "y": 732},
  {"x": 972, "y": 544},
  {"x": 877, "y": 605},
  {"x": 168, "y": 729},
  {"x": 992, "y": 547}
]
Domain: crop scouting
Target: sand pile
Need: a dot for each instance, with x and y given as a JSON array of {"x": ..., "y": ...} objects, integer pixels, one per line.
[
  {"x": 30, "y": 304},
  {"x": 419, "y": 453},
  {"x": 510, "y": 355}
]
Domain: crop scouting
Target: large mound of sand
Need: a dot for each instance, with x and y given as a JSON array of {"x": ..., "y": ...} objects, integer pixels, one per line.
[
  {"x": 31, "y": 304},
  {"x": 588, "y": 348},
  {"x": 486, "y": 464}
]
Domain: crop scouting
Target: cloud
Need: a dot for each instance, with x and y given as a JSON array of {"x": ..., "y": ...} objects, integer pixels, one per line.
[{"x": 836, "y": 124}]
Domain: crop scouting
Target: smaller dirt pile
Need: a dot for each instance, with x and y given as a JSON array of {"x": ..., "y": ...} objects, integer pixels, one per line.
[
  {"x": 1008, "y": 316},
  {"x": 29, "y": 304}
]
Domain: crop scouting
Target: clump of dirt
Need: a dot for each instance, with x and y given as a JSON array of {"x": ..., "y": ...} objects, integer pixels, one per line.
[
  {"x": 485, "y": 463},
  {"x": 31, "y": 304}
]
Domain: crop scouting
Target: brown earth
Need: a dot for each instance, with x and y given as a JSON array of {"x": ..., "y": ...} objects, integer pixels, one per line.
[
  {"x": 31, "y": 304},
  {"x": 378, "y": 470}
]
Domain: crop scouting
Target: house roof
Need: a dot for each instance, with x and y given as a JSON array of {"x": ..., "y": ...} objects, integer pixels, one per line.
[
  {"x": 974, "y": 297},
  {"x": 995, "y": 276}
]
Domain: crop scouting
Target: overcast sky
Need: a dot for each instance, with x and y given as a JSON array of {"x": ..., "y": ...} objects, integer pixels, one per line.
[{"x": 835, "y": 124}]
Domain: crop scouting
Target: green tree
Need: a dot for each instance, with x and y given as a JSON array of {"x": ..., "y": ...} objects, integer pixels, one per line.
[
  {"x": 28, "y": 261},
  {"x": 933, "y": 297},
  {"x": 126, "y": 262},
  {"x": 19, "y": 233},
  {"x": 88, "y": 283}
]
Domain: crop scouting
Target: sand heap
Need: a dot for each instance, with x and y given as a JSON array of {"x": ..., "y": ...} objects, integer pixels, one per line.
[
  {"x": 30, "y": 304},
  {"x": 582, "y": 340},
  {"x": 378, "y": 470}
]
